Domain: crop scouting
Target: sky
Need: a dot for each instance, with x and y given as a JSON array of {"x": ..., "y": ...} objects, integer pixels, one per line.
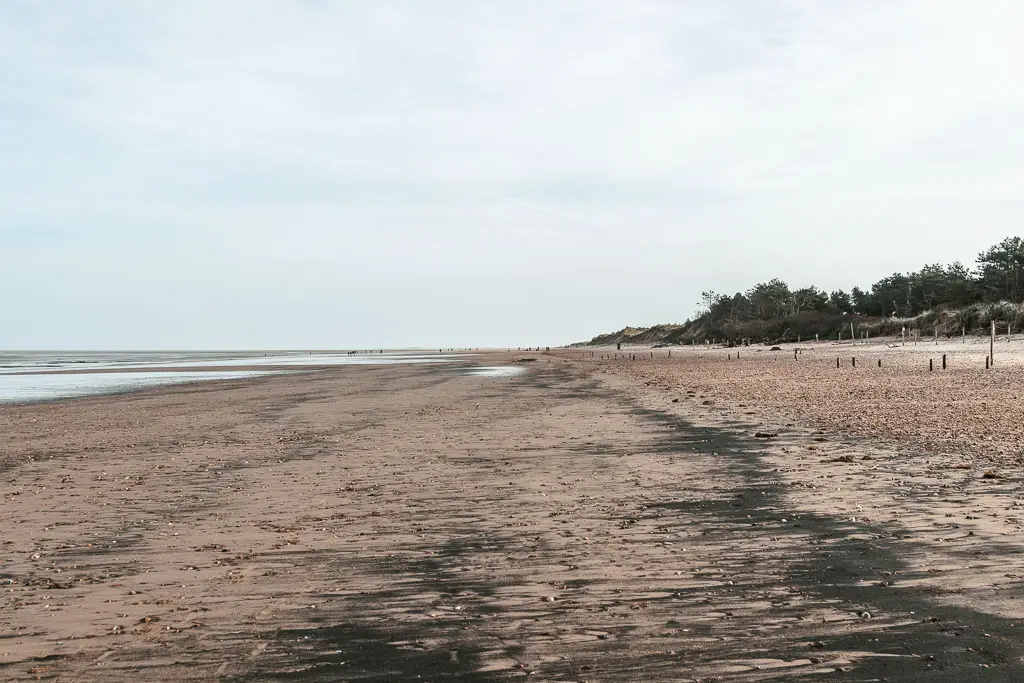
[{"x": 331, "y": 174}]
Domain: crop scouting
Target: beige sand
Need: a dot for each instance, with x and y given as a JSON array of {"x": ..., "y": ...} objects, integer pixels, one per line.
[{"x": 577, "y": 523}]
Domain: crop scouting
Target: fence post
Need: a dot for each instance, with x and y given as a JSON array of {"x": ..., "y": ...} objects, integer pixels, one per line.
[
  {"x": 992, "y": 345},
  {"x": 943, "y": 361}
]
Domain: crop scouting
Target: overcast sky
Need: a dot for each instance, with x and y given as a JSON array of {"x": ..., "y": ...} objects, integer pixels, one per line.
[{"x": 318, "y": 174}]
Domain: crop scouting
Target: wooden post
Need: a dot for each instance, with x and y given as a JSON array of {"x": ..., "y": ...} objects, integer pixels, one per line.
[
  {"x": 854, "y": 359},
  {"x": 837, "y": 362},
  {"x": 931, "y": 365},
  {"x": 987, "y": 359},
  {"x": 963, "y": 334},
  {"x": 853, "y": 337},
  {"x": 794, "y": 354},
  {"x": 903, "y": 336},
  {"x": 879, "y": 362},
  {"x": 992, "y": 346},
  {"x": 943, "y": 361}
]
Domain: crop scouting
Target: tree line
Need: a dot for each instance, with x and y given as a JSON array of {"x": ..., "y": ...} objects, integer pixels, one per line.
[
  {"x": 774, "y": 309},
  {"x": 997, "y": 276}
]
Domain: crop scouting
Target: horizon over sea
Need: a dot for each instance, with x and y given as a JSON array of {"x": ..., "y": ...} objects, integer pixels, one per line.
[{"x": 32, "y": 376}]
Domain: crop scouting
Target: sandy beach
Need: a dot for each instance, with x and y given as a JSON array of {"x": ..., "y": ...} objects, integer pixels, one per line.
[{"x": 692, "y": 518}]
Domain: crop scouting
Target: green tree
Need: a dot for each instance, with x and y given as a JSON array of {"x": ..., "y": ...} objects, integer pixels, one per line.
[
  {"x": 863, "y": 302},
  {"x": 841, "y": 301},
  {"x": 809, "y": 299},
  {"x": 1001, "y": 270},
  {"x": 739, "y": 307},
  {"x": 892, "y": 295},
  {"x": 715, "y": 306},
  {"x": 961, "y": 286},
  {"x": 929, "y": 288},
  {"x": 770, "y": 299}
]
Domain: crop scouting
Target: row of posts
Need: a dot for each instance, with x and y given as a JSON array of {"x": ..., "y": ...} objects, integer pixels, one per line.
[
  {"x": 853, "y": 359},
  {"x": 990, "y": 360},
  {"x": 931, "y": 362},
  {"x": 866, "y": 336}
]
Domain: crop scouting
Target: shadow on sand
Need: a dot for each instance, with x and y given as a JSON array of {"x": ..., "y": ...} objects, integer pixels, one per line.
[{"x": 903, "y": 633}]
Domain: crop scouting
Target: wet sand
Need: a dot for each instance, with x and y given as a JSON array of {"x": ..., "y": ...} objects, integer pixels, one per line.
[{"x": 587, "y": 520}]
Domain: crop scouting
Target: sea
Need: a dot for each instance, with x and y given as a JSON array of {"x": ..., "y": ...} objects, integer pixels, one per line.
[{"x": 32, "y": 376}]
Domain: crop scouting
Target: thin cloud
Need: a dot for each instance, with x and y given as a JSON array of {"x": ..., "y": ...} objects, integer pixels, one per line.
[{"x": 182, "y": 155}]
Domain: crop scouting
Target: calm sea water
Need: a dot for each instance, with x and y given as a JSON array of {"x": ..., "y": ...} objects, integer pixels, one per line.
[{"x": 46, "y": 375}]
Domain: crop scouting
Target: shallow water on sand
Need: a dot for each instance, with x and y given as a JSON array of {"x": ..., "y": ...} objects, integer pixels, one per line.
[
  {"x": 40, "y": 375},
  {"x": 495, "y": 371},
  {"x": 40, "y": 361},
  {"x": 43, "y": 387}
]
